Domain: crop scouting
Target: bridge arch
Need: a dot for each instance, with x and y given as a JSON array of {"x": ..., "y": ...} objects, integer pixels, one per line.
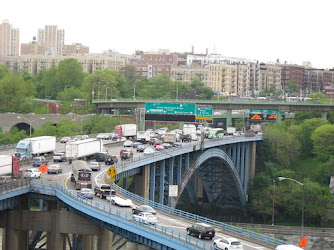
[{"x": 214, "y": 153}]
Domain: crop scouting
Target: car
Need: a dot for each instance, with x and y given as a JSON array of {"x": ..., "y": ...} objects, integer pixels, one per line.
[
  {"x": 167, "y": 145},
  {"x": 126, "y": 155},
  {"x": 37, "y": 161},
  {"x": 136, "y": 144},
  {"x": 103, "y": 136},
  {"x": 143, "y": 208},
  {"x": 145, "y": 217},
  {"x": 114, "y": 137},
  {"x": 201, "y": 230},
  {"x": 86, "y": 193},
  {"x": 101, "y": 156},
  {"x": 288, "y": 247},
  {"x": 32, "y": 173},
  {"x": 159, "y": 147},
  {"x": 77, "y": 138},
  {"x": 55, "y": 169},
  {"x": 119, "y": 201},
  {"x": 84, "y": 137},
  {"x": 127, "y": 143},
  {"x": 157, "y": 142},
  {"x": 152, "y": 140},
  {"x": 185, "y": 138},
  {"x": 65, "y": 139},
  {"x": 141, "y": 148},
  {"x": 94, "y": 165},
  {"x": 110, "y": 159},
  {"x": 149, "y": 151},
  {"x": 59, "y": 157},
  {"x": 228, "y": 243}
]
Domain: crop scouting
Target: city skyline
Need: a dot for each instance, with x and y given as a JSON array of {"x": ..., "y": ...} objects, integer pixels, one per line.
[{"x": 289, "y": 31}]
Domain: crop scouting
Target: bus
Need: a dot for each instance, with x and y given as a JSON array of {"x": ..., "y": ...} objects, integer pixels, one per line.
[{"x": 215, "y": 133}]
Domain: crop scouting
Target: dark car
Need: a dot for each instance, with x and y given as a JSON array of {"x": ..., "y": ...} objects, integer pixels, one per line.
[
  {"x": 201, "y": 230},
  {"x": 185, "y": 138},
  {"x": 136, "y": 144},
  {"x": 141, "y": 148},
  {"x": 143, "y": 208},
  {"x": 126, "y": 155},
  {"x": 38, "y": 161},
  {"x": 152, "y": 140},
  {"x": 110, "y": 159},
  {"x": 101, "y": 156}
]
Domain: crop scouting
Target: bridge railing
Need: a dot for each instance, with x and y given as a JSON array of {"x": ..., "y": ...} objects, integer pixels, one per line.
[
  {"x": 51, "y": 188},
  {"x": 14, "y": 184}
]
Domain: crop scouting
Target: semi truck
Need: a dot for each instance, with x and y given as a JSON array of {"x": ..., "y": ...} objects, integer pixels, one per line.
[
  {"x": 9, "y": 167},
  {"x": 143, "y": 136},
  {"x": 35, "y": 146},
  {"x": 190, "y": 129},
  {"x": 83, "y": 149},
  {"x": 171, "y": 137},
  {"x": 230, "y": 130},
  {"x": 81, "y": 174},
  {"x": 126, "y": 130}
]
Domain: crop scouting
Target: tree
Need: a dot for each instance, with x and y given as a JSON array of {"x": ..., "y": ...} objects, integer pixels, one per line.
[
  {"x": 292, "y": 88},
  {"x": 323, "y": 141},
  {"x": 70, "y": 73},
  {"x": 318, "y": 98},
  {"x": 4, "y": 70}
]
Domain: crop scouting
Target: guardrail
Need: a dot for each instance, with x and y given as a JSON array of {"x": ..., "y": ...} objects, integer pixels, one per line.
[
  {"x": 14, "y": 184},
  {"x": 47, "y": 187}
]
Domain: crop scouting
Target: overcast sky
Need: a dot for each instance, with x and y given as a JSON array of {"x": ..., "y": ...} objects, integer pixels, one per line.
[{"x": 264, "y": 30}]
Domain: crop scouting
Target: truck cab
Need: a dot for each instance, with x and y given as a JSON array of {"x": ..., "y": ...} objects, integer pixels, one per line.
[{"x": 22, "y": 150}]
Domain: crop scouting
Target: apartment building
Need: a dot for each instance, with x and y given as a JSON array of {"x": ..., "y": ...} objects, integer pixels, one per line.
[
  {"x": 53, "y": 39},
  {"x": 293, "y": 72},
  {"x": 270, "y": 75},
  {"x": 34, "y": 63},
  {"x": 74, "y": 49},
  {"x": 9, "y": 40},
  {"x": 223, "y": 78},
  {"x": 185, "y": 74},
  {"x": 33, "y": 48}
]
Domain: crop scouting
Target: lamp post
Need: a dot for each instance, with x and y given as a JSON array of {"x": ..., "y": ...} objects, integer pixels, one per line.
[
  {"x": 284, "y": 178},
  {"x": 82, "y": 116},
  {"x": 134, "y": 91},
  {"x": 98, "y": 91},
  {"x": 273, "y": 216}
]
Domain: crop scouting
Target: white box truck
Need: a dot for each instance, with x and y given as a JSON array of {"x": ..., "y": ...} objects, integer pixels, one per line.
[
  {"x": 126, "y": 130},
  {"x": 143, "y": 136},
  {"x": 83, "y": 149},
  {"x": 35, "y": 146},
  {"x": 190, "y": 129}
]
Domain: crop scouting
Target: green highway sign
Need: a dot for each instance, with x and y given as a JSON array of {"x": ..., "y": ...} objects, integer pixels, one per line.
[
  {"x": 170, "y": 108},
  {"x": 274, "y": 112},
  {"x": 203, "y": 113},
  {"x": 256, "y": 111}
]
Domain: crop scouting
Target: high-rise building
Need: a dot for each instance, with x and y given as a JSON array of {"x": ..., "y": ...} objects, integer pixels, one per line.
[
  {"x": 9, "y": 39},
  {"x": 53, "y": 39}
]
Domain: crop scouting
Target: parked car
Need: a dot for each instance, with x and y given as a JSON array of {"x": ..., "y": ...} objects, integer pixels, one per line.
[
  {"x": 136, "y": 144},
  {"x": 101, "y": 156},
  {"x": 141, "y": 148},
  {"x": 146, "y": 218},
  {"x": 94, "y": 165},
  {"x": 228, "y": 243},
  {"x": 55, "y": 169},
  {"x": 159, "y": 147},
  {"x": 32, "y": 173},
  {"x": 119, "y": 201},
  {"x": 37, "y": 161},
  {"x": 65, "y": 139},
  {"x": 201, "y": 230},
  {"x": 86, "y": 193},
  {"x": 127, "y": 143},
  {"x": 149, "y": 151},
  {"x": 110, "y": 159},
  {"x": 59, "y": 157},
  {"x": 143, "y": 208}
]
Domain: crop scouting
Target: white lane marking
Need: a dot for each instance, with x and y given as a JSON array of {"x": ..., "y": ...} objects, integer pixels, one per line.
[{"x": 97, "y": 176}]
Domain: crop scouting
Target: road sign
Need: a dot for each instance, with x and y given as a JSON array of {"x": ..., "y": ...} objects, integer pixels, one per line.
[
  {"x": 203, "y": 113},
  {"x": 303, "y": 242},
  {"x": 111, "y": 179},
  {"x": 274, "y": 112},
  {"x": 173, "y": 190},
  {"x": 256, "y": 111},
  {"x": 258, "y": 117},
  {"x": 112, "y": 171},
  {"x": 170, "y": 108}
]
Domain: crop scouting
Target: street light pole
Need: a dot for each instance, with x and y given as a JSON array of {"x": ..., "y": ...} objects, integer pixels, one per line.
[
  {"x": 273, "y": 216},
  {"x": 284, "y": 178}
]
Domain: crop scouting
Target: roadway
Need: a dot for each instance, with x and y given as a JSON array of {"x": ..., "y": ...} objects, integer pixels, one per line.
[{"x": 99, "y": 177}]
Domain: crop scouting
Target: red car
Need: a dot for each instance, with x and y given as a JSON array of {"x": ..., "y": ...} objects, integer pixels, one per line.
[
  {"x": 157, "y": 142},
  {"x": 65, "y": 139}
]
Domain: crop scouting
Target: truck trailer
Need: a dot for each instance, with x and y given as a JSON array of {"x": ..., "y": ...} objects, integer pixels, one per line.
[
  {"x": 9, "y": 167},
  {"x": 126, "y": 130},
  {"x": 83, "y": 149},
  {"x": 81, "y": 174},
  {"x": 35, "y": 146},
  {"x": 143, "y": 136}
]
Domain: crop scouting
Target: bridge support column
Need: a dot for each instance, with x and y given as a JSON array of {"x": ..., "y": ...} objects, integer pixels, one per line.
[
  {"x": 142, "y": 182},
  {"x": 234, "y": 153},
  {"x": 125, "y": 184},
  {"x": 238, "y": 157},
  {"x": 87, "y": 242},
  {"x": 246, "y": 168},
  {"x": 279, "y": 117},
  {"x": 14, "y": 239},
  {"x": 229, "y": 118},
  {"x": 135, "y": 246},
  {"x": 242, "y": 163},
  {"x": 199, "y": 188},
  {"x": 170, "y": 175},
  {"x": 186, "y": 162},
  {"x": 252, "y": 160},
  {"x": 55, "y": 240},
  {"x": 152, "y": 181},
  {"x": 324, "y": 115},
  {"x": 105, "y": 240},
  {"x": 162, "y": 182},
  {"x": 178, "y": 169}
]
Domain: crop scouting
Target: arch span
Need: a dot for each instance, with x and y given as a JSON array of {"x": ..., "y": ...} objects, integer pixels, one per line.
[{"x": 212, "y": 153}]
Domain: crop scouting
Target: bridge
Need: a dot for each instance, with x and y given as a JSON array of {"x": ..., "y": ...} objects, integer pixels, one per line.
[{"x": 219, "y": 168}]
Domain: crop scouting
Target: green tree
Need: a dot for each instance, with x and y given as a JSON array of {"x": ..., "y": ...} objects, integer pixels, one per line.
[
  {"x": 323, "y": 141},
  {"x": 318, "y": 98},
  {"x": 292, "y": 88},
  {"x": 4, "y": 70},
  {"x": 70, "y": 73}
]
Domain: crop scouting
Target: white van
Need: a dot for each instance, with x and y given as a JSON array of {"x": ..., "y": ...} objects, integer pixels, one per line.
[{"x": 288, "y": 247}]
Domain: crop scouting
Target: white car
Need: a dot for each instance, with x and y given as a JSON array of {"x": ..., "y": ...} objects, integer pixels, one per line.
[
  {"x": 149, "y": 151},
  {"x": 228, "y": 243},
  {"x": 94, "y": 165},
  {"x": 288, "y": 247},
  {"x": 145, "y": 217},
  {"x": 128, "y": 143},
  {"x": 32, "y": 173},
  {"x": 119, "y": 201}
]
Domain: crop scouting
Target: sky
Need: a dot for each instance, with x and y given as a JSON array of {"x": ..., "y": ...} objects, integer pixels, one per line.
[{"x": 265, "y": 30}]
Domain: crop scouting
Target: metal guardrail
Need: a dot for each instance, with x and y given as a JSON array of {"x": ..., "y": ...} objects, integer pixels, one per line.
[
  {"x": 47, "y": 187},
  {"x": 13, "y": 184}
]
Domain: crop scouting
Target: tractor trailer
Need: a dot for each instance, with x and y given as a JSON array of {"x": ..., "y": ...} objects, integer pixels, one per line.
[
  {"x": 83, "y": 149},
  {"x": 35, "y": 146}
]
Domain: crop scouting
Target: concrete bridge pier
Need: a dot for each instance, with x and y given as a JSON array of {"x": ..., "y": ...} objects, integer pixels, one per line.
[
  {"x": 324, "y": 115},
  {"x": 135, "y": 246},
  {"x": 142, "y": 182},
  {"x": 14, "y": 239}
]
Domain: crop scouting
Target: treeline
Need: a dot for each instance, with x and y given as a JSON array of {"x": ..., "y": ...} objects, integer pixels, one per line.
[
  {"x": 301, "y": 149},
  {"x": 67, "y": 81}
]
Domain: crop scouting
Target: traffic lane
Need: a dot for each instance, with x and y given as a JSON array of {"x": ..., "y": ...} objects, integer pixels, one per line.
[{"x": 172, "y": 222}]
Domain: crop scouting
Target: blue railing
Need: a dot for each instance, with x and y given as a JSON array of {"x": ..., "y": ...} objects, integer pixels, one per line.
[{"x": 95, "y": 209}]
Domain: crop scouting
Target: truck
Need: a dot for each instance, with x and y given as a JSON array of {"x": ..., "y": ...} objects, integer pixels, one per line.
[
  {"x": 103, "y": 191},
  {"x": 214, "y": 133},
  {"x": 126, "y": 130},
  {"x": 143, "y": 136},
  {"x": 81, "y": 174},
  {"x": 171, "y": 137},
  {"x": 83, "y": 149},
  {"x": 9, "y": 168},
  {"x": 230, "y": 131},
  {"x": 35, "y": 146},
  {"x": 190, "y": 129}
]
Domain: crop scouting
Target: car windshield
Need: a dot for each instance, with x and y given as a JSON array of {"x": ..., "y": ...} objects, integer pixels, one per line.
[
  {"x": 150, "y": 216},
  {"x": 28, "y": 171},
  {"x": 235, "y": 243},
  {"x": 147, "y": 209},
  {"x": 86, "y": 190}
]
